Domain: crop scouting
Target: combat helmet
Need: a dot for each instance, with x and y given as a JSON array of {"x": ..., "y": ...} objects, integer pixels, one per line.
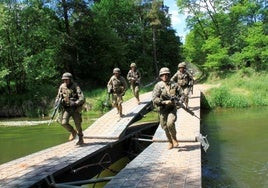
[
  {"x": 67, "y": 76},
  {"x": 182, "y": 65},
  {"x": 133, "y": 65},
  {"x": 164, "y": 70},
  {"x": 116, "y": 70}
]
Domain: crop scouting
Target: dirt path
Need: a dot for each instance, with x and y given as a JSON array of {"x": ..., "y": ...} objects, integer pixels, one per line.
[
  {"x": 205, "y": 87},
  {"x": 22, "y": 123}
]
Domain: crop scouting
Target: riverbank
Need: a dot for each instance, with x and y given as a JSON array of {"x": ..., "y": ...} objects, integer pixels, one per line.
[
  {"x": 238, "y": 89},
  {"x": 23, "y": 123}
]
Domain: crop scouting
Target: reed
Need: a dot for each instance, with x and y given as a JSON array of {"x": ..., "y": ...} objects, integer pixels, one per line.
[{"x": 241, "y": 89}]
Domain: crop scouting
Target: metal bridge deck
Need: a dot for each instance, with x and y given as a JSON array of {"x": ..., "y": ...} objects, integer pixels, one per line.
[{"x": 159, "y": 167}]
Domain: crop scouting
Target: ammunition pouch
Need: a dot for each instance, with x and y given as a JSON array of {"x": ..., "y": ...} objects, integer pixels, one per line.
[{"x": 119, "y": 90}]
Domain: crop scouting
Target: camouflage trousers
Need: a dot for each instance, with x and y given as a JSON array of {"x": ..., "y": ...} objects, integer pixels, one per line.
[
  {"x": 135, "y": 88},
  {"x": 117, "y": 99},
  {"x": 167, "y": 122},
  {"x": 67, "y": 113},
  {"x": 186, "y": 92}
]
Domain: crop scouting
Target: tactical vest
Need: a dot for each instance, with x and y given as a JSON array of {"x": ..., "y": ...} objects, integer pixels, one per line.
[
  {"x": 183, "y": 79},
  {"x": 70, "y": 93},
  {"x": 135, "y": 75},
  {"x": 117, "y": 83}
]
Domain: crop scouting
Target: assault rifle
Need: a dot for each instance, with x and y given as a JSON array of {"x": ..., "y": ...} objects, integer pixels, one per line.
[
  {"x": 56, "y": 108},
  {"x": 191, "y": 87},
  {"x": 178, "y": 102},
  {"x": 107, "y": 102}
]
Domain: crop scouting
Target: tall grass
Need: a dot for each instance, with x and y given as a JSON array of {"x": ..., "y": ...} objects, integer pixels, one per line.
[
  {"x": 241, "y": 89},
  {"x": 97, "y": 97}
]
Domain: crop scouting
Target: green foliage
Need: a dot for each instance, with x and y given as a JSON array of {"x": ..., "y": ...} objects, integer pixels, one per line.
[
  {"x": 41, "y": 40},
  {"x": 27, "y": 48},
  {"x": 242, "y": 89},
  {"x": 217, "y": 56},
  {"x": 231, "y": 34},
  {"x": 222, "y": 97}
]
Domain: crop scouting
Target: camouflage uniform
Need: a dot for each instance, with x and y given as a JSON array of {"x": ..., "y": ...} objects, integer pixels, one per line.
[
  {"x": 185, "y": 81},
  {"x": 117, "y": 85},
  {"x": 134, "y": 77},
  {"x": 162, "y": 92},
  {"x": 72, "y": 99}
]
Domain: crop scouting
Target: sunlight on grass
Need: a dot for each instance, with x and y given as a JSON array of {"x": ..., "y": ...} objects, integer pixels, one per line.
[{"x": 241, "y": 89}]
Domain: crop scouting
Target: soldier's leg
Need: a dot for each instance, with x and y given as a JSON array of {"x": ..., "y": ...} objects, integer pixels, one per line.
[
  {"x": 78, "y": 121},
  {"x": 65, "y": 123},
  {"x": 163, "y": 123},
  {"x": 132, "y": 87},
  {"x": 171, "y": 127},
  {"x": 120, "y": 108},
  {"x": 186, "y": 94},
  {"x": 114, "y": 102},
  {"x": 136, "y": 93}
]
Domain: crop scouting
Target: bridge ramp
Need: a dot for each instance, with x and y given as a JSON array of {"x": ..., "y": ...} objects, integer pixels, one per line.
[{"x": 159, "y": 167}]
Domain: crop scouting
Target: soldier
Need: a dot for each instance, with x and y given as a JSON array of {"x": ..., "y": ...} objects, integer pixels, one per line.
[
  {"x": 72, "y": 99},
  {"x": 134, "y": 77},
  {"x": 117, "y": 85},
  {"x": 162, "y": 94},
  {"x": 184, "y": 79}
]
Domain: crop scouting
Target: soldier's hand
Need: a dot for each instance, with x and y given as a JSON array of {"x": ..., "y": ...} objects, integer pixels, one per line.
[{"x": 167, "y": 102}]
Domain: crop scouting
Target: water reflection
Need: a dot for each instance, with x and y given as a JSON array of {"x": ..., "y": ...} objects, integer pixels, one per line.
[{"x": 237, "y": 156}]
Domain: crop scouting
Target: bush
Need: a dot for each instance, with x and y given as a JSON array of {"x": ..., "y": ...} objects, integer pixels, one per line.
[
  {"x": 222, "y": 97},
  {"x": 241, "y": 89}
]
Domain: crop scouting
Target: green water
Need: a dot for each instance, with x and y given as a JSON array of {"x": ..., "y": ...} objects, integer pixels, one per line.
[
  {"x": 19, "y": 141},
  {"x": 238, "y": 153}
]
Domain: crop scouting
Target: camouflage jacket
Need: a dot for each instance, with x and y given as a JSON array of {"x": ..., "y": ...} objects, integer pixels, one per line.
[
  {"x": 164, "y": 91},
  {"x": 134, "y": 77},
  {"x": 117, "y": 84},
  {"x": 183, "y": 79},
  {"x": 70, "y": 93}
]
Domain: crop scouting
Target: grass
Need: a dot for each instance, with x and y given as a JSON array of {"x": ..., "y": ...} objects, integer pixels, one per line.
[{"x": 243, "y": 88}]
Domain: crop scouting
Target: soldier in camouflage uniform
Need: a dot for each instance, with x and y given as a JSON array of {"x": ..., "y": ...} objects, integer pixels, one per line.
[
  {"x": 162, "y": 94},
  {"x": 72, "y": 99},
  {"x": 117, "y": 85},
  {"x": 134, "y": 77},
  {"x": 184, "y": 79}
]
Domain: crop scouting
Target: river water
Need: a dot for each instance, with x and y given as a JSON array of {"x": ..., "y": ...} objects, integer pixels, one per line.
[{"x": 238, "y": 153}]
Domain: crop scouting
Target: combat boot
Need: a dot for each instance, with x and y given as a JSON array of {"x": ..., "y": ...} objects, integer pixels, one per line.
[
  {"x": 120, "y": 111},
  {"x": 80, "y": 140},
  {"x": 138, "y": 100},
  {"x": 186, "y": 102},
  {"x": 170, "y": 145},
  {"x": 175, "y": 142},
  {"x": 72, "y": 135}
]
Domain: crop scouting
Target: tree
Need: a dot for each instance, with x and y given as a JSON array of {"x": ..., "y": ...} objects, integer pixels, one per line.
[{"x": 223, "y": 29}]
